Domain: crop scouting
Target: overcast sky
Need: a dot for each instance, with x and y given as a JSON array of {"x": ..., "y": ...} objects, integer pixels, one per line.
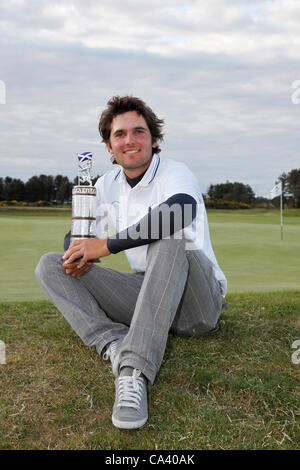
[{"x": 220, "y": 73}]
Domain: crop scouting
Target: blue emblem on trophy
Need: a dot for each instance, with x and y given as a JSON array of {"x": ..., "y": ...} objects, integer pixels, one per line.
[{"x": 85, "y": 173}]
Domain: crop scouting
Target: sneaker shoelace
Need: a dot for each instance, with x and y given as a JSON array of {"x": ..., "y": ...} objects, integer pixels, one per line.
[{"x": 130, "y": 390}]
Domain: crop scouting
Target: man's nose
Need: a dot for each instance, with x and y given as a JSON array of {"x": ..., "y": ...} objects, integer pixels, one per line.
[{"x": 129, "y": 138}]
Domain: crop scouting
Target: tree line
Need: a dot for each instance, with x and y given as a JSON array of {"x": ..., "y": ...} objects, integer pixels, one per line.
[
  {"x": 47, "y": 188},
  {"x": 44, "y": 188},
  {"x": 291, "y": 186},
  {"x": 58, "y": 190},
  {"x": 244, "y": 194}
]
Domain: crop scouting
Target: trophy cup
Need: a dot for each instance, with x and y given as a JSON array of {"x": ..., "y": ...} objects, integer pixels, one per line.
[{"x": 84, "y": 201}]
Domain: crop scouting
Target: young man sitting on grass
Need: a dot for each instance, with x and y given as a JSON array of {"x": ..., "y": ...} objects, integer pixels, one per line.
[{"x": 155, "y": 207}]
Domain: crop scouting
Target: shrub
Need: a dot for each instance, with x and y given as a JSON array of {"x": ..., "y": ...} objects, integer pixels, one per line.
[{"x": 224, "y": 204}]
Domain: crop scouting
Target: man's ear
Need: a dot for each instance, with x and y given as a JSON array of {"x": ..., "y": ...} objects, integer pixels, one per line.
[
  {"x": 154, "y": 144},
  {"x": 108, "y": 147}
]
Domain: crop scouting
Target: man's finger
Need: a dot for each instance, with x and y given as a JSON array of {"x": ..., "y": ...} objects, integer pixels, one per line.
[
  {"x": 69, "y": 268},
  {"x": 76, "y": 242},
  {"x": 73, "y": 247},
  {"x": 80, "y": 272},
  {"x": 73, "y": 269},
  {"x": 82, "y": 263},
  {"x": 75, "y": 255}
]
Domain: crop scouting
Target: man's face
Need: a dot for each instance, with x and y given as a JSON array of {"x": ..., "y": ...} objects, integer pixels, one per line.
[{"x": 131, "y": 143}]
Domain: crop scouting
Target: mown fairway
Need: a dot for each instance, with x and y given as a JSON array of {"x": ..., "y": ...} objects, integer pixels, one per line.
[
  {"x": 24, "y": 237},
  {"x": 249, "y": 249},
  {"x": 247, "y": 245}
]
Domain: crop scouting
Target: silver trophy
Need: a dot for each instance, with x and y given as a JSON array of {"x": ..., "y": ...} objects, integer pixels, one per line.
[{"x": 84, "y": 201}]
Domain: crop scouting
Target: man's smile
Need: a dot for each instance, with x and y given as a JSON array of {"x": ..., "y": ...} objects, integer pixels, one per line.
[{"x": 132, "y": 151}]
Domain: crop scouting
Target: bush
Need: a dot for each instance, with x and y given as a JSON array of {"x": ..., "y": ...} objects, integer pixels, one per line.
[
  {"x": 224, "y": 204},
  {"x": 15, "y": 203}
]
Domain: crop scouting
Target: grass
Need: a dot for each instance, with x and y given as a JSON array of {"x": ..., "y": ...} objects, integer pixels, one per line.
[
  {"x": 249, "y": 249},
  {"x": 236, "y": 389},
  {"x": 26, "y": 234},
  {"x": 247, "y": 245}
]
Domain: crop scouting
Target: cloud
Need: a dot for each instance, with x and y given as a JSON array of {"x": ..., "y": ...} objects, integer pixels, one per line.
[
  {"x": 160, "y": 27},
  {"x": 218, "y": 72}
]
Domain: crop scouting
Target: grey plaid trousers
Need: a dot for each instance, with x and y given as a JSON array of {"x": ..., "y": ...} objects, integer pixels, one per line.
[{"x": 178, "y": 293}]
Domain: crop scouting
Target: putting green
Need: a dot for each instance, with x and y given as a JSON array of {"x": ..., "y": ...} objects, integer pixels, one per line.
[
  {"x": 249, "y": 249},
  {"x": 247, "y": 245}
]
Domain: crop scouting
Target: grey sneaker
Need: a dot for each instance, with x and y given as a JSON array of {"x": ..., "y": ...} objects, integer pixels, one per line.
[
  {"x": 112, "y": 354},
  {"x": 130, "y": 409}
]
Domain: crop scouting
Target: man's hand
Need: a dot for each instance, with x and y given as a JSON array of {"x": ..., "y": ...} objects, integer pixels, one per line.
[
  {"x": 86, "y": 249},
  {"x": 73, "y": 270}
]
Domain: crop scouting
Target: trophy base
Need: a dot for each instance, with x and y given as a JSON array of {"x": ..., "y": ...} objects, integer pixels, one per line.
[{"x": 89, "y": 260}]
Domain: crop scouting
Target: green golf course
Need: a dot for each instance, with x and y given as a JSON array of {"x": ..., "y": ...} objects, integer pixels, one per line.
[
  {"x": 236, "y": 389},
  {"x": 247, "y": 244}
]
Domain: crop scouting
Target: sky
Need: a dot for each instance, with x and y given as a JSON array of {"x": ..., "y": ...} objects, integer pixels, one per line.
[{"x": 223, "y": 74}]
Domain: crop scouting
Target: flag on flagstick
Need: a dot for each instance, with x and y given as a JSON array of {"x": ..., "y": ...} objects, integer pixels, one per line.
[{"x": 277, "y": 190}]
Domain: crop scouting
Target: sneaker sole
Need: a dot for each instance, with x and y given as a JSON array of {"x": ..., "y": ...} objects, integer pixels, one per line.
[{"x": 129, "y": 424}]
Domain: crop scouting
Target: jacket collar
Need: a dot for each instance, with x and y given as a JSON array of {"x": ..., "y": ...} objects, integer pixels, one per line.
[{"x": 148, "y": 176}]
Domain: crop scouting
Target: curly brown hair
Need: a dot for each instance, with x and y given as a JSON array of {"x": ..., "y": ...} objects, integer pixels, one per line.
[{"x": 122, "y": 104}]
